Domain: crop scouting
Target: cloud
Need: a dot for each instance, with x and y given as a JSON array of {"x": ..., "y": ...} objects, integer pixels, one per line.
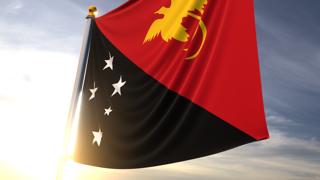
[
  {"x": 42, "y": 25},
  {"x": 290, "y": 65},
  {"x": 13, "y": 7},
  {"x": 47, "y": 25},
  {"x": 279, "y": 120}
]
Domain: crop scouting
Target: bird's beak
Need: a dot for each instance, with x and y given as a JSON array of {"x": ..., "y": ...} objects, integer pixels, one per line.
[
  {"x": 160, "y": 11},
  {"x": 157, "y": 12}
]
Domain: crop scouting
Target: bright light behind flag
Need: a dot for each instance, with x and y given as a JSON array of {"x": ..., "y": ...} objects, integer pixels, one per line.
[
  {"x": 35, "y": 94},
  {"x": 96, "y": 13}
]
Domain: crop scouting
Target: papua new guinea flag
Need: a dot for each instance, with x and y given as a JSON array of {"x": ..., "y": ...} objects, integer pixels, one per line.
[{"x": 168, "y": 81}]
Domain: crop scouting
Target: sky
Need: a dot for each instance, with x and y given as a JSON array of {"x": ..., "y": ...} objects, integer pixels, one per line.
[{"x": 40, "y": 44}]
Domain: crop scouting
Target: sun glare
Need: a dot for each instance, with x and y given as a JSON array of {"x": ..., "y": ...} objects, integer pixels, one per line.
[{"x": 35, "y": 95}]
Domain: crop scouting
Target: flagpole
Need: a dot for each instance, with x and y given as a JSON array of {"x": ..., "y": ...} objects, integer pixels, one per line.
[{"x": 77, "y": 89}]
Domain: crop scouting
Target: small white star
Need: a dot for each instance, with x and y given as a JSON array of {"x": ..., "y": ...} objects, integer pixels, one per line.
[
  {"x": 93, "y": 91},
  {"x": 97, "y": 137},
  {"x": 107, "y": 111},
  {"x": 109, "y": 62},
  {"x": 117, "y": 86}
]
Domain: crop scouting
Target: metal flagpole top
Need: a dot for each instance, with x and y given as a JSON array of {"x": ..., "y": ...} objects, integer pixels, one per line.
[{"x": 92, "y": 11}]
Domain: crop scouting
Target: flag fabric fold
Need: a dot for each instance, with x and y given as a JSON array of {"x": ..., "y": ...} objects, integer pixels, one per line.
[{"x": 169, "y": 81}]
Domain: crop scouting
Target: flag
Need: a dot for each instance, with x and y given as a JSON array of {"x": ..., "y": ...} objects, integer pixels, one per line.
[{"x": 168, "y": 81}]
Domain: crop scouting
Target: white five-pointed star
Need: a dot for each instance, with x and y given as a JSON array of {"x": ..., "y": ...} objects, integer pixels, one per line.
[
  {"x": 109, "y": 62},
  {"x": 93, "y": 91},
  {"x": 117, "y": 86},
  {"x": 107, "y": 111},
  {"x": 97, "y": 137}
]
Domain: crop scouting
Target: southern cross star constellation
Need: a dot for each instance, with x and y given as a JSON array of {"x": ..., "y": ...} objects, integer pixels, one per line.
[{"x": 97, "y": 135}]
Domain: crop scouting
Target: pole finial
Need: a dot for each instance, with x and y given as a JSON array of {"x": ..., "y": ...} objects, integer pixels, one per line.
[{"x": 92, "y": 11}]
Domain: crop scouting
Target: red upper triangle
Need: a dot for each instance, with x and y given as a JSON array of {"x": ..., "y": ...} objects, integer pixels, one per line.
[{"x": 224, "y": 78}]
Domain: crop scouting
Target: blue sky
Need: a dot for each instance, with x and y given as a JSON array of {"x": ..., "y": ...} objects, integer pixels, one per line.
[{"x": 39, "y": 47}]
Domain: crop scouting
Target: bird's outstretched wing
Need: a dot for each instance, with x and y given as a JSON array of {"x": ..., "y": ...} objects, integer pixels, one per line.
[{"x": 154, "y": 30}]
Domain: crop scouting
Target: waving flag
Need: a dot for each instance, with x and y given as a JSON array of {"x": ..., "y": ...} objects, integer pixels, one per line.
[{"x": 169, "y": 81}]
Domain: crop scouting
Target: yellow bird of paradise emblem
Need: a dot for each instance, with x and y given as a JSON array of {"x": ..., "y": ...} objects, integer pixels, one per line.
[{"x": 170, "y": 25}]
